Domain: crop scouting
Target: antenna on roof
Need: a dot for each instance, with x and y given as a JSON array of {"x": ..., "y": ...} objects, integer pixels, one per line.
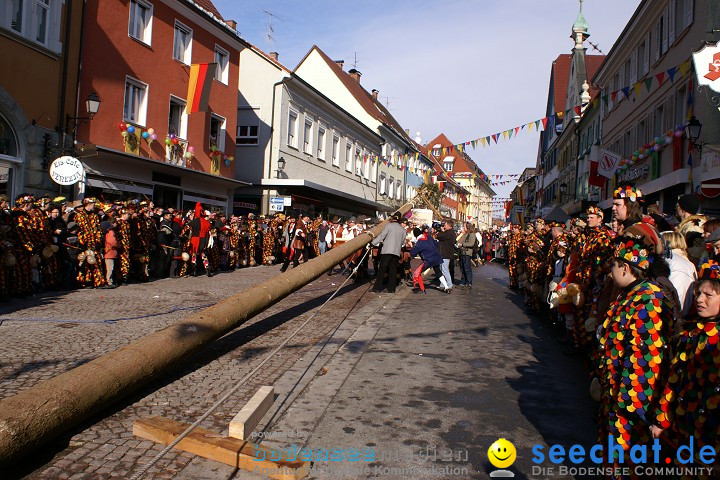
[
  {"x": 387, "y": 101},
  {"x": 355, "y": 62},
  {"x": 595, "y": 47},
  {"x": 270, "y": 30}
]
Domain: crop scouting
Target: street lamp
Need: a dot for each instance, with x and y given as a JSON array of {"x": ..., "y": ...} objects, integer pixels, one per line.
[
  {"x": 563, "y": 191},
  {"x": 92, "y": 105},
  {"x": 692, "y": 130},
  {"x": 280, "y": 166}
]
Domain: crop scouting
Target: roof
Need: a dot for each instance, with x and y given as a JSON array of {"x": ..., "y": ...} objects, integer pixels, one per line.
[
  {"x": 592, "y": 64},
  {"x": 560, "y": 75},
  {"x": 373, "y": 107},
  {"x": 463, "y": 162},
  {"x": 209, "y": 6}
]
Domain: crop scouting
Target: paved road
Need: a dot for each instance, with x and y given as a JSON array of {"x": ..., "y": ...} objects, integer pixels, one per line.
[
  {"x": 407, "y": 377},
  {"x": 41, "y": 337}
]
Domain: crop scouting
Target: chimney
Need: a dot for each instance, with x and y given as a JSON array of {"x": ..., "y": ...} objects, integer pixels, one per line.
[
  {"x": 340, "y": 63},
  {"x": 274, "y": 55},
  {"x": 375, "y": 94},
  {"x": 355, "y": 74},
  {"x": 232, "y": 24}
]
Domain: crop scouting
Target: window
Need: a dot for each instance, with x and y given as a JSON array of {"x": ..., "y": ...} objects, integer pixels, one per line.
[
  {"x": 398, "y": 190},
  {"x": 448, "y": 163},
  {"x": 336, "y": 151},
  {"x": 135, "y": 105},
  {"x": 292, "y": 128},
  {"x": 358, "y": 161},
  {"x": 16, "y": 20},
  {"x": 217, "y": 132},
  {"x": 221, "y": 58},
  {"x": 140, "y": 26},
  {"x": 659, "y": 118},
  {"x": 42, "y": 8},
  {"x": 683, "y": 15},
  {"x": 680, "y": 105},
  {"x": 373, "y": 169},
  {"x": 182, "y": 46},
  {"x": 321, "y": 143},
  {"x": 642, "y": 66},
  {"x": 307, "y": 136},
  {"x": 177, "y": 122},
  {"x": 628, "y": 144},
  {"x": 348, "y": 156},
  {"x": 246, "y": 135},
  {"x": 391, "y": 187},
  {"x": 641, "y": 138},
  {"x": 627, "y": 71},
  {"x": 8, "y": 141},
  {"x": 383, "y": 181}
]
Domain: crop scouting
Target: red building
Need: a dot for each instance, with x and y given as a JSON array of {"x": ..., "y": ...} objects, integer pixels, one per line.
[{"x": 136, "y": 57}]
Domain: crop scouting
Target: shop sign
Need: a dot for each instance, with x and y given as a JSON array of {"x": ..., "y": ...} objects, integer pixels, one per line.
[
  {"x": 707, "y": 66},
  {"x": 66, "y": 170},
  {"x": 710, "y": 158},
  {"x": 277, "y": 204},
  {"x": 633, "y": 174},
  {"x": 249, "y": 206}
]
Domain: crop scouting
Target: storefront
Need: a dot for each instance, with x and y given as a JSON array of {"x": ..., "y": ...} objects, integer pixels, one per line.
[
  {"x": 10, "y": 159},
  {"x": 117, "y": 176},
  {"x": 314, "y": 199}
]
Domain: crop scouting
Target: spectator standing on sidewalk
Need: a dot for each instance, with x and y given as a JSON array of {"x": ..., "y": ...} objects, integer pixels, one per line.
[
  {"x": 111, "y": 251},
  {"x": 446, "y": 245},
  {"x": 467, "y": 242},
  {"x": 392, "y": 239}
]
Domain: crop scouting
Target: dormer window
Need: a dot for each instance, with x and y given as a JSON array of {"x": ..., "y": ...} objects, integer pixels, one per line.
[
  {"x": 436, "y": 150},
  {"x": 448, "y": 163}
]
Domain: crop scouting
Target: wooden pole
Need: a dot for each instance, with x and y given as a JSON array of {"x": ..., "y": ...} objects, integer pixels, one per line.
[{"x": 52, "y": 407}]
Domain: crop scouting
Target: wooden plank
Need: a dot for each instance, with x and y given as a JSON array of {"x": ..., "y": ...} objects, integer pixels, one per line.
[
  {"x": 231, "y": 451},
  {"x": 250, "y": 415}
]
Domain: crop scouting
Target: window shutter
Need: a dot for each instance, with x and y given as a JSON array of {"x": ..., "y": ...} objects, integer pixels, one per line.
[
  {"x": 690, "y": 6},
  {"x": 658, "y": 41},
  {"x": 665, "y": 32},
  {"x": 671, "y": 9},
  {"x": 633, "y": 67},
  {"x": 648, "y": 49}
]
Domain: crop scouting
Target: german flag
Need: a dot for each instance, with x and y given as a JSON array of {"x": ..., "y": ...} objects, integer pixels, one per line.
[{"x": 201, "y": 77}]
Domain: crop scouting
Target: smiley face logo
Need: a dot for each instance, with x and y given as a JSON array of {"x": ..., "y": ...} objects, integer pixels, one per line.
[{"x": 502, "y": 453}]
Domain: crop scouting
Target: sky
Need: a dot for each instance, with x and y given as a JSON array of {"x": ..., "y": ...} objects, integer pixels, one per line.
[{"x": 465, "y": 68}]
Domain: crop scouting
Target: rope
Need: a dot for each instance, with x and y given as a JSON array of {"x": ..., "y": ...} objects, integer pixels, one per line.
[{"x": 242, "y": 381}]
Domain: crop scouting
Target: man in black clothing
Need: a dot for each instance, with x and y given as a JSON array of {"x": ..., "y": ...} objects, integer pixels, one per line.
[
  {"x": 165, "y": 239},
  {"x": 446, "y": 245}
]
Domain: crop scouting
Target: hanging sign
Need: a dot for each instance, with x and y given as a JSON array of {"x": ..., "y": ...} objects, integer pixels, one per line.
[
  {"x": 707, "y": 66},
  {"x": 66, "y": 170}
]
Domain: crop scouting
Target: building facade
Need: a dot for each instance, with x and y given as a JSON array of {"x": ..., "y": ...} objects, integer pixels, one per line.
[
  {"x": 652, "y": 93},
  {"x": 40, "y": 42},
  {"x": 137, "y": 57}
]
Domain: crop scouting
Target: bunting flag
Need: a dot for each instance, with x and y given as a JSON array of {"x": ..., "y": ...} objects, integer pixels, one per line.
[
  {"x": 556, "y": 117},
  {"x": 201, "y": 77}
]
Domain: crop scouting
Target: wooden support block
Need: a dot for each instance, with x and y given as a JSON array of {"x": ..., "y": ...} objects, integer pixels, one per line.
[
  {"x": 231, "y": 451},
  {"x": 250, "y": 415}
]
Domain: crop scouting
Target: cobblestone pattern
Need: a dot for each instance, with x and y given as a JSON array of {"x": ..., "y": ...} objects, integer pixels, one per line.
[{"x": 43, "y": 337}]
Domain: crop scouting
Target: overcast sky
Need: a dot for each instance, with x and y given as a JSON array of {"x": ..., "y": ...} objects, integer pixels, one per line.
[{"x": 466, "y": 68}]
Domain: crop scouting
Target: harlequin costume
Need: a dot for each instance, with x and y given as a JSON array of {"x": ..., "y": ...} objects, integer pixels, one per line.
[
  {"x": 48, "y": 265},
  {"x": 513, "y": 259},
  {"x": 124, "y": 246},
  {"x": 92, "y": 243},
  {"x": 690, "y": 402},
  {"x": 632, "y": 350},
  {"x": 24, "y": 244}
]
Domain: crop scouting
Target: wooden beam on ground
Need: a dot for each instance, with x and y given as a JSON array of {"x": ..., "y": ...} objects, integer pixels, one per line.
[
  {"x": 250, "y": 415},
  {"x": 231, "y": 451}
]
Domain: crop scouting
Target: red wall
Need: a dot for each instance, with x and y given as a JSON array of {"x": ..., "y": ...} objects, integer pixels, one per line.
[{"x": 109, "y": 54}]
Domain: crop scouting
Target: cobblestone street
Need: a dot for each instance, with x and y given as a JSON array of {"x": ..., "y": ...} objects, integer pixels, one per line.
[{"x": 49, "y": 334}]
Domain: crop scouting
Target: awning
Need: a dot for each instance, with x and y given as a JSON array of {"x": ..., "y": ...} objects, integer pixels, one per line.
[
  {"x": 162, "y": 167},
  {"x": 113, "y": 184},
  {"x": 299, "y": 184}
]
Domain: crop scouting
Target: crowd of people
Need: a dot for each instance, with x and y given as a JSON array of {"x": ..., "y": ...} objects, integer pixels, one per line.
[
  {"x": 50, "y": 244},
  {"x": 638, "y": 299}
]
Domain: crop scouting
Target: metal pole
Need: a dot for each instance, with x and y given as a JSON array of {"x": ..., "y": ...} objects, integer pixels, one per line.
[{"x": 50, "y": 408}]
